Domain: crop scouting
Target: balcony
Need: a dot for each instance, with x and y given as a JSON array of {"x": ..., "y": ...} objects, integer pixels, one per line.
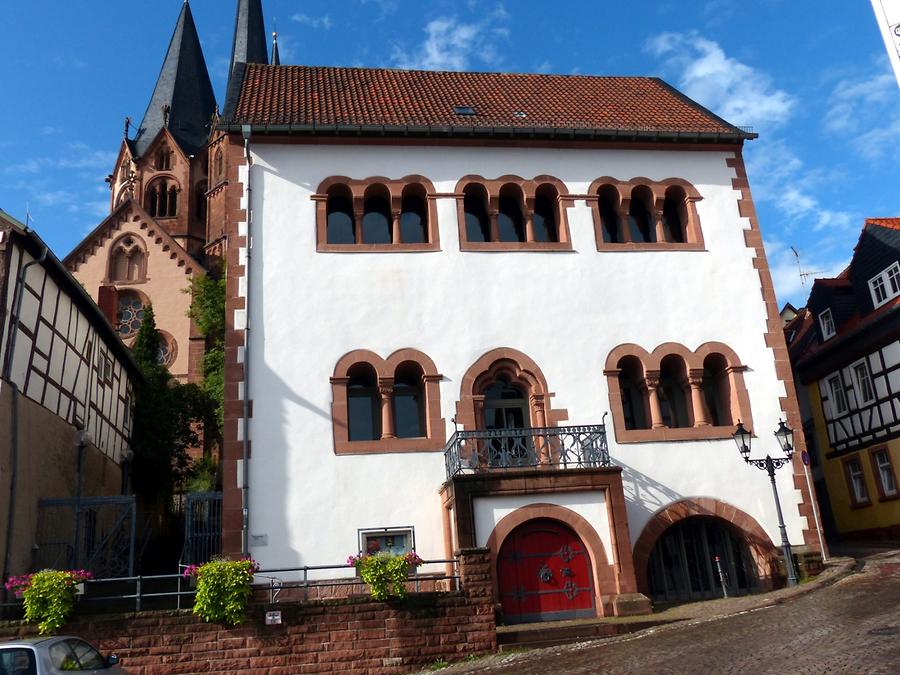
[{"x": 484, "y": 450}]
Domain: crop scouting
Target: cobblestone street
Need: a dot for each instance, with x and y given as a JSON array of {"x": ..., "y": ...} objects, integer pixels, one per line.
[{"x": 851, "y": 626}]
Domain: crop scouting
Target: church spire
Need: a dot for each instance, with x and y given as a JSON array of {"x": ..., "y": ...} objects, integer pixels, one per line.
[
  {"x": 183, "y": 99},
  {"x": 249, "y": 36},
  {"x": 276, "y": 58}
]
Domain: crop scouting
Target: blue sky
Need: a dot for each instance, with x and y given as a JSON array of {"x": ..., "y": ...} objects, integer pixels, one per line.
[{"x": 812, "y": 78}]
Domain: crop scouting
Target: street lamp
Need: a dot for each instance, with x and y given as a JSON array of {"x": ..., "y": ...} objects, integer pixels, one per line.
[{"x": 785, "y": 437}]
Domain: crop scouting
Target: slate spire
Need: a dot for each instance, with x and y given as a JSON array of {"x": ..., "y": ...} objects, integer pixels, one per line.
[
  {"x": 276, "y": 58},
  {"x": 183, "y": 100},
  {"x": 249, "y": 36}
]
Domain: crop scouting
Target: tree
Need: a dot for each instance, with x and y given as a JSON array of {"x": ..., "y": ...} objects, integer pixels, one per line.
[
  {"x": 166, "y": 418},
  {"x": 208, "y": 312}
]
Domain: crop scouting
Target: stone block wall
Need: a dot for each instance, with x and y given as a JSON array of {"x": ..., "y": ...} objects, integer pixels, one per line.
[{"x": 352, "y": 635}]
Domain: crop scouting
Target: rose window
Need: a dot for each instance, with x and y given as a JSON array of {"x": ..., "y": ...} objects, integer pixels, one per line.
[{"x": 130, "y": 315}]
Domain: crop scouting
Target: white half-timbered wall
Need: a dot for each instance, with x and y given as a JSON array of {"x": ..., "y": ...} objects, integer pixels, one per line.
[
  {"x": 61, "y": 361},
  {"x": 863, "y": 423}
]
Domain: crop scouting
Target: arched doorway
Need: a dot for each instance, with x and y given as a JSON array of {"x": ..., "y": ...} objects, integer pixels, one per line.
[
  {"x": 683, "y": 563},
  {"x": 544, "y": 574}
]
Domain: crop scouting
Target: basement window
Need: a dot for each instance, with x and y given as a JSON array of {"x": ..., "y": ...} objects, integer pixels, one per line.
[
  {"x": 394, "y": 540},
  {"x": 464, "y": 110}
]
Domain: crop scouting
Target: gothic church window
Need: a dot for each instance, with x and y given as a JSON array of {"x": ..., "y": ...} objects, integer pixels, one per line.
[
  {"x": 128, "y": 260},
  {"x": 130, "y": 314},
  {"x": 161, "y": 200},
  {"x": 163, "y": 159}
]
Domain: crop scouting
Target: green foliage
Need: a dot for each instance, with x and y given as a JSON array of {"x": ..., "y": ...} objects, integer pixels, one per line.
[
  {"x": 203, "y": 475},
  {"x": 208, "y": 312},
  {"x": 167, "y": 415},
  {"x": 50, "y": 598},
  {"x": 223, "y": 590},
  {"x": 385, "y": 573},
  {"x": 440, "y": 664}
]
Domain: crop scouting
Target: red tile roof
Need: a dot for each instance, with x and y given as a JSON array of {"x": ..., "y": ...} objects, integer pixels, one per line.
[
  {"x": 314, "y": 95},
  {"x": 892, "y": 223}
]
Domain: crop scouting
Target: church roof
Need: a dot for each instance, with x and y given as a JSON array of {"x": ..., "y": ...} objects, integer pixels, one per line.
[
  {"x": 183, "y": 85},
  {"x": 249, "y": 45},
  {"x": 316, "y": 99}
]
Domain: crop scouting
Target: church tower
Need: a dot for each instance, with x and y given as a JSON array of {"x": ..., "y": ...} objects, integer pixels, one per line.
[{"x": 164, "y": 166}]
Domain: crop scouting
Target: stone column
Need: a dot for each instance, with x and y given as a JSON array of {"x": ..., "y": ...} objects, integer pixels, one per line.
[
  {"x": 495, "y": 227},
  {"x": 624, "y": 226},
  {"x": 395, "y": 226},
  {"x": 386, "y": 390},
  {"x": 652, "y": 379},
  {"x": 698, "y": 401},
  {"x": 659, "y": 225},
  {"x": 358, "y": 215},
  {"x": 541, "y": 447}
]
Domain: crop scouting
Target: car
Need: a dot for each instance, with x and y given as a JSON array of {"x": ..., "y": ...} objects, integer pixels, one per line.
[{"x": 54, "y": 655}]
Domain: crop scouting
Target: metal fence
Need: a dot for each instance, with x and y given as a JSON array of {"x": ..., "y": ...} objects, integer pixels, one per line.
[
  {"x": 94, "y": 533},
  {"x": 176, "y": 591},
  {"x": 571, "y": 447},
  {"x": 202, "y": 527}
]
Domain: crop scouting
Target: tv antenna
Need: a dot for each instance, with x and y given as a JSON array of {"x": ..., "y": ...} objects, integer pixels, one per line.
[{"x": 803, "y": 275}]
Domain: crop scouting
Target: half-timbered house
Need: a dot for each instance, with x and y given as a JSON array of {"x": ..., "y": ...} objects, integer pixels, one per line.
[
  {"x": 845, "y": 347},
  {"x": 66, "y": 391}
]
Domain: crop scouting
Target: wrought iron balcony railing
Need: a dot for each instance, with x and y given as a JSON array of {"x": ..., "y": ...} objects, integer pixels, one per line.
[{"x": 574, "y": 447}]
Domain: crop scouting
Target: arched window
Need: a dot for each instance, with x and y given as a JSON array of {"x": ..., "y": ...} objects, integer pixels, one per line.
[
  {"x": 675, "y": 214},
  {"x": 505, "y": 405},
  {"x": 672, "y": 392},
  {"x": 609, "y": 214},
  {"x": 546, "y": 214},
  {"x": 510, "y": 220},
  {"x": 413, "y": 215},
  {"x": 339, "y": 227},
  {"x": 168, "y": 349},
  {"x": 634, "y": 393},
  {"x": 376, "y": 226},
  {"x": 409, "y": 401},
  {"x": 163, "y": 159},
  {"x": 475, "y": 205},
  {"x": 363, "y": 404},
  {"x": 162, "y": 199},
  {"x": 717, "y": 390},
  {"x": 130, "y": 314},
  {"x": 640, "y": 216},
  {"x": 128, "y": 260}
]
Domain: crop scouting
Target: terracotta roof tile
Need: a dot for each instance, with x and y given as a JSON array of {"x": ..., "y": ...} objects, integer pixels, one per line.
[
  {"x": 307, "y": 95},
  {"x": 892, "y": 223}
]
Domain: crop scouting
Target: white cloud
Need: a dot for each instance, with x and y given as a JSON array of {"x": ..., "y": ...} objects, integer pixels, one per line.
[
  {"x": 739, "y": 93},
  {"x": 867, "y": 112},
  {"x": 453, "y": 45},
  {"x": 312, "y": 21}
]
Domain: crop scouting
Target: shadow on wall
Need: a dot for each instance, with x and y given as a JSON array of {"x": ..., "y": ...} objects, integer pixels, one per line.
[{"x": 643, "y": 497}]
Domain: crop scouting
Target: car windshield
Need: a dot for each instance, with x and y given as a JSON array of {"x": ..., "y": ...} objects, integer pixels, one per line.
[{"x": 17, "y": 661}]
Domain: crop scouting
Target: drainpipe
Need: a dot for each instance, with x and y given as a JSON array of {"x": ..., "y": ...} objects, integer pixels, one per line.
[
  {"x": 248, "y": 245},
  {"x": 14, "y": 423}
]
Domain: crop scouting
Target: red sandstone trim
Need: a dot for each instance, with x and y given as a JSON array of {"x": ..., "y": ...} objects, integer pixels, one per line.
[{"x": 774, "y": 337}]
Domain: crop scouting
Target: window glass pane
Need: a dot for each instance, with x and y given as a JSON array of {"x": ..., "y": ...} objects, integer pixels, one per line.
[
  {"x": 878, "y": 290},
  {"x": 885, "y": 472},
  {"x": 865, "y": 383},
  {"x": 339, "y": 227},
  {"x": 509, "y": 221},
  {"x": 377, "y": 221},
  {"x": 363, "y": 408},
  {"x": 860, "y": 493},
  {"x": 673, "y": 224},
  {"x": 640, "y": 222},
  {"x": 17, "y": 661},
  {"x": 61, "y": 656},
  {"x": 413, "y": 221},
  {"x": 839, "y": 400},
  {"x": 478, "y": 226},
  {"x": 609, "y": 219},
  {"x": 894, "y": 279},
  {"x": 545, "y": 226},
  {"x": 397, "y": 543},
  {"x": 88, "y": 657}
]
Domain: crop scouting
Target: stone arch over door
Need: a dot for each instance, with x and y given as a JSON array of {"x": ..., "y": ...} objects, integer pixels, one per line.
[
  {"x": 519, "y": 369},
  {"x": 604, "y": 577},
  {"x": 761, "y": 548}
]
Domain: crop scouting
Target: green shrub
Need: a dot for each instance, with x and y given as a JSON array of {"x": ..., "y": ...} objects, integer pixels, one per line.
[
  {"x": 50, "y": 598},
  {"x": 385, "y": 573},
  {"x": 223, "y": 589}
]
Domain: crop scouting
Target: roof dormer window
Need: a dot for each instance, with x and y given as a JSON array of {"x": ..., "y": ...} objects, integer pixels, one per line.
[
  {"x": 885, "y": 285},
  {"x": 826, "y": 322}
]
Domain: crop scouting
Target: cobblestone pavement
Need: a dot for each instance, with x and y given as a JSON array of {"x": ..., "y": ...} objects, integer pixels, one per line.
[{"x": 851, "y": 626}]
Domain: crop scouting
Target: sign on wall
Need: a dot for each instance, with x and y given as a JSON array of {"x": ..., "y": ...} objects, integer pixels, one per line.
[{"x": 887, "y": 13}]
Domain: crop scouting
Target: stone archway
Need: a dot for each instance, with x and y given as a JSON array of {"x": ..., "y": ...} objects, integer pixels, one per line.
[{"x": 761, "y": 548}]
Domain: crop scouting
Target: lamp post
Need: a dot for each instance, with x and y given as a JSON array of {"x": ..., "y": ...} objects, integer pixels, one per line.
[{"x": 785, "y": 437}]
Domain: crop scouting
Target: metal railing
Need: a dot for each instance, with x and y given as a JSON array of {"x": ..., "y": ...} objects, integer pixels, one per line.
[
  {"x": 572, "y": 447},
  {"x": 175, "y": 591}
]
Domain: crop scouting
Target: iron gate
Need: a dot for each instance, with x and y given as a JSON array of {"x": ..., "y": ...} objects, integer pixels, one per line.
[
  {"x": 202, "y": 527},
  {"x": 92, "y": 533}
]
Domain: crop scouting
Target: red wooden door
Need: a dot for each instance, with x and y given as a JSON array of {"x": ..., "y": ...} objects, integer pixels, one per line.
[{"x": 544, "y": 574}]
